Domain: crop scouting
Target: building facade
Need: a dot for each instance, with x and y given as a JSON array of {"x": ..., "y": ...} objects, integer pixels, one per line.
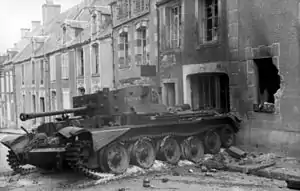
[
  {"x": 255, "y": 44},
  {"x": 135, "y": 41},
  {"x": 71, "y": 52}
]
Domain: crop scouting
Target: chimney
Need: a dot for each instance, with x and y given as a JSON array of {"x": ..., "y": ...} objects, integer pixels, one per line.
[
  {"x": 24, "y": 32},
  {"x": 50, "y": 11},
  {"x": 35, "y": 24}
]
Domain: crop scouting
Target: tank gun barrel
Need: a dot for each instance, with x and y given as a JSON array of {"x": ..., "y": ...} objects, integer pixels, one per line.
[{"x": 27, "y": 116}]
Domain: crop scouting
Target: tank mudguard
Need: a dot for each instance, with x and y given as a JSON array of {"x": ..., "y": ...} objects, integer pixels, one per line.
[
  {"x": 16, "y": 143},
  {"x": 236, "y": 121},
  {"x": 71, "y": 131},
  {"x": 102, "y": 138}
]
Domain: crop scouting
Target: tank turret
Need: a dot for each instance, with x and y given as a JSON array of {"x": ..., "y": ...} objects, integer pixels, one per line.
[{"x": 27, "y": 116}]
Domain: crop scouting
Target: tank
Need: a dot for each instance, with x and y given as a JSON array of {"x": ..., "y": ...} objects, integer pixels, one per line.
[{"x": 112, "y": 129}]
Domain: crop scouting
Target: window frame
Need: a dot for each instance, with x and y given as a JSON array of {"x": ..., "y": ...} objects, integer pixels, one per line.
[
  {"x": 65, "y": 66},
  {"x": 201, "y": 17},
  {"x": 124, "y": 40},
  {"x": 95, "y": 57},
  {"x": 170, "y": 25}
]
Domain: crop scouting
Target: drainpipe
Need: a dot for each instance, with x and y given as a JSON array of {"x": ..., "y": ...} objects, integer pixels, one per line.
[{"x": 112, "y": 48}]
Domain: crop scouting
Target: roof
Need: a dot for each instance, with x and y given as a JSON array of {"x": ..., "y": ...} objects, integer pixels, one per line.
[{"x": 54, "y": 31}]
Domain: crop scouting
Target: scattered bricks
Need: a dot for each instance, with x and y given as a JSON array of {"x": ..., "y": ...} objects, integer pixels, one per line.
[
  {"x": 203, "y": 169},
  {"x": 236, "y": 152}
]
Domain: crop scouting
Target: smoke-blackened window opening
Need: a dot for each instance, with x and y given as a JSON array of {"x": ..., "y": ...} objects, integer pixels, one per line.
[
  {"x": 210, "y": 92},
  {"x": 268, "y": 82}
]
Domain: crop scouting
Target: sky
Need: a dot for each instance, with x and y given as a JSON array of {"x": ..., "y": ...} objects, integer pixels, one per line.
[{"x": 17, "y": 14}]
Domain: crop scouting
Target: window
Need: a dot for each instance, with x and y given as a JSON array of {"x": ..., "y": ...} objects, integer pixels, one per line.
[
  {"x": 64, "y": 34},
  {"x": 267, "y": 83},
  {"x": 33, "y": 72},
  {"x": 42, "y": 71},
  {"x": 123, "y": 51},
  {"x": 141, "y": 43},
  {"x": 94, "y": 23},
  {"x": 66, "y": 100},
  {"x": 207, "y": 14},
  {"x": 52, "y": 68},
  {"x": 24, "y": 104},
  {"x": 33, "y": 104},
  {"x": 65, "y": 66},
  {"x": 11, "y": 81},
  {"x": 170, "y": 94},
  {"x": 123, "y": 9},
  {"x": 80, "y": 61},
  {"x": 42, "y": 104},
  {"x": 95, "y": 62},
  {"x": 53, "y": 100},
  {"x": 23, "y": 73},
  {"x": 209, "y": 91},
  {"x": 173, "y": 26},
  {"x": 140, "y": 6}
]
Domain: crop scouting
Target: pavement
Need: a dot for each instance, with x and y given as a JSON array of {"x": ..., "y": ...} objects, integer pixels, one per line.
[{"x": 268, "y": 165}]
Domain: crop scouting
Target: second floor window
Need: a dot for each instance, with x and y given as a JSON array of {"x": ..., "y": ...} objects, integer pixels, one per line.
[
  {"x": 65, "y": 66},
  {"x": 207, "y": 13},
  {"x": 80, "y": 62},
  {"x": 95, "y": 62},
  {"x": 140, "y": 6},
  {"x": 23, "y": 74},
  {"x": 33, "y": 72},
  {"x": 173, "y": 25},
  {"x": 42, "y": 71},
  {"x": 141, "y": 43},
  {"x": 123, "y": 51},
  {"x": 52, "y": 68}
]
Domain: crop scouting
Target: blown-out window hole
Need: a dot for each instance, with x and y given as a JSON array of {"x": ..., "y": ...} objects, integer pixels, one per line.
[{"x": 268, "y": 81}]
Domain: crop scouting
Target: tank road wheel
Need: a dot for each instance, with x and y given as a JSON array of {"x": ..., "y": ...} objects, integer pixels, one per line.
[
  {"x": 143, "y": 153},
  {"x": 212, "y": 142},
  {"x": 169, "y": 150},
  {"x": 116, "y": 158},
  {"x": 102, "y": 163},
  {"x": 227, "y": 136},
  {"x": 15, "y": 163},
  {"x": 192, "y": 149}
]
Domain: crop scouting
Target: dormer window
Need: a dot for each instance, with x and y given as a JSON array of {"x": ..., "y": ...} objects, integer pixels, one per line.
[
  {"x": 94, "y": 23},
  {"x": 64, "y": 35}
]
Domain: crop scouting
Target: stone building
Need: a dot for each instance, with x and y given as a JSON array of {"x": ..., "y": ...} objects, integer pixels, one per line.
[
  {"x": 252, "y": 44},
  {"x": 67, "y": 54},
  {"x": 134, "y": 41}
]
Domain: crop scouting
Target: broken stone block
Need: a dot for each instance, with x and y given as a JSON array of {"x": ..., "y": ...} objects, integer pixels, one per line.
[
  {"x": 236, "y": 152},
  {"x": 203, "y": 169},
  {"x": 146, "y": 183}
]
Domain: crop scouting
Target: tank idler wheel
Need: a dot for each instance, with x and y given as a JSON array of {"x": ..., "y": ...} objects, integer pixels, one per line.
[
  {"x": 212, "y": 142},
  {"x": 143, "y": 153},
  {"x": 116, "y": 158},
  {"x": 192, "y": 149},
  {"x": 227, "y": 136},
  {"x": 169, "y": 150}
]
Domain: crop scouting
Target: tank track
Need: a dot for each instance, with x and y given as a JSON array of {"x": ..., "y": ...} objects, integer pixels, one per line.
[{"x": 15, "y": 164}]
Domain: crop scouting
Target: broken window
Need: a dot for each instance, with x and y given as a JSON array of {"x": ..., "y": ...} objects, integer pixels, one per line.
[
  {"x": 123, "y": 50},
  {"x": 173, "y": 16},
  {"x": 141, "y": 43},
  {"x": 207, "y": 15},
  {"x": 140, "y": 6},
  {"x": 209, "y": 91},
  {"x": 267, "y": 84}
]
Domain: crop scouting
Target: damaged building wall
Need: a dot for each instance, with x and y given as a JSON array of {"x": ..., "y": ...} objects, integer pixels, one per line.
[{"x": 268, "y": 47}]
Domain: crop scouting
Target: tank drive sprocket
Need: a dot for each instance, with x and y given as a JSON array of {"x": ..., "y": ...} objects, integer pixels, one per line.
[
  {"x": 77, "y": 154},
  {"x": 15, "y": 164}
]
